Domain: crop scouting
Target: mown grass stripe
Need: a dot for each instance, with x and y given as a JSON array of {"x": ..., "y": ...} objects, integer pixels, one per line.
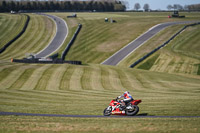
[
  {"x": 86, "y": 78},
  {"x": 65, "y": 80},
  {"x": 40, "y": 28},
  {"x": 22, "y": 79},
  {"x": 105, "y": 81},
  {"x": 12, "y": 77},
  {"x": 29, "y": 42},
  {"x": 115, "y": 81},
  {"x": 96, "y": 79},
  {"x": 14, "y": 32},
  {"x": 134, "y": 81},
  {"x": 75, "y": 81},
  {"x": 34, "y": 78},
  {"x": 6, "y": 71},
  {"x": 39, "y": 32},
  {"x": 12, "y": 50},
  {"x": 139, "y": 78},
  {"x": 54, "y": 81},
  {"x": 124, "y": 80},
  {"x": 23, "y": 41},
  {"x": 43, "y": 81},
  {"x": 8, "y": 65},
  {"x": 8, "y": 23},
  {"x": 14, "y": 29}
]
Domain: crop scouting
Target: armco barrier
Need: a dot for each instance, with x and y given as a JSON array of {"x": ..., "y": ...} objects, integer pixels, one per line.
[
  {"x": 71, "y": 42},
  {"x": 57, "y": 61},
  {"x": 14, "y": 39},
  {"x": 159, "y": 47}
]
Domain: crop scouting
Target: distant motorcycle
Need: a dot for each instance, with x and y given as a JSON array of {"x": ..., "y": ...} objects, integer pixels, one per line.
[{"x": 115, "y": 108}]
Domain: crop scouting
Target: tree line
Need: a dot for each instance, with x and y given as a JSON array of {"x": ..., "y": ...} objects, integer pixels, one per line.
[
  {"x": 194, "y": 7},
  {"x": 25, "y": 5},
  {"x": 146, "y": 7}
]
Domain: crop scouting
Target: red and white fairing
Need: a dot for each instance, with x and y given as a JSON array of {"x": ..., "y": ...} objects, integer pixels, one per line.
[{"x": 115, "y": 107}]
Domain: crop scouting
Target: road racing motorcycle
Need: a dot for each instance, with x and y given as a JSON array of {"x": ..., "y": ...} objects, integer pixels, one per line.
[{"x": 115, "y": 108}]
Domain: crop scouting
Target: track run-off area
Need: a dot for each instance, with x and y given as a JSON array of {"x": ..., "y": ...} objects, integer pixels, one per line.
[{"x": 92, "y": 116}]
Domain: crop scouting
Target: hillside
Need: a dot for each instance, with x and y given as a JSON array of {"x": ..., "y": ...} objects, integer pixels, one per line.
[
  {"x": 10, "y": 26},
  {"x": 180, "y": 56},
  {"x": 87, "y": 89},
  {"x": 39, "y": 33},
  {"x": 102, "y": 39}
]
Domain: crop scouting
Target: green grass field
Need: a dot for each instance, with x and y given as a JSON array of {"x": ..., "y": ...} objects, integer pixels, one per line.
[
  {"x": 98, "y": 125},
  {"x": 180, "y": 56},
  {"x": 102, "y": 39},
  {"x": 10, "y": 26},
  {"x": 87, "y": 89},
  {"x": 38, "y": 34}
]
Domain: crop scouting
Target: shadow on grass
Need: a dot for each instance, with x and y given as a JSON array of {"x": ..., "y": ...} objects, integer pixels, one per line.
[{"x": 144, "y": 114}]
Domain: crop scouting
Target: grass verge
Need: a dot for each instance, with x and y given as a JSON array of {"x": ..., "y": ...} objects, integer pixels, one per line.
[
  {"x": 98, "y": 125},
  {"x": 148, "y": 64}
]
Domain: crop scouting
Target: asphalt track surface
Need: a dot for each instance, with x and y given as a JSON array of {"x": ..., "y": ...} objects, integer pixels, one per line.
[
  {"x": 91, "y": 116},
  {"x": 131, "y": 47},
  {"x": 59, "y": 38}
]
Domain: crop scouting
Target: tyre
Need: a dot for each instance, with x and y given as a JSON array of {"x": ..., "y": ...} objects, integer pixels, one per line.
[
  {"x": 107, "y": 112},
  {"x": 133, "y": 111}
]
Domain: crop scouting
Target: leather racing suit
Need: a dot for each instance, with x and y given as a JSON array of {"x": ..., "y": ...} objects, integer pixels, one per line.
[{"x": 127, "y": 97}]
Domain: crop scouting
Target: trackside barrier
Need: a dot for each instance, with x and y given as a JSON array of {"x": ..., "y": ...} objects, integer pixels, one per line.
[
  {"x": 57, "y": 61},
  {"x": 14, "y": 39},
  {"x": 163, "y": 45},
  {"x": 71, "y": 42}
]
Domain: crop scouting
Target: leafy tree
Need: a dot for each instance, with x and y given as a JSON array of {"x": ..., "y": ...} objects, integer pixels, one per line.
[
  {"x": 175, "y": 6},
  {"x": 137, "y": 6},
  {"x": 179, "y": 7},
  {"x": 146, "y": 7},
  {"x": 12, "y": 5},
  {"x": 103, "y": 5},
  {"x": 52, "y": 5},
  {"x": 169, "y": 7}
]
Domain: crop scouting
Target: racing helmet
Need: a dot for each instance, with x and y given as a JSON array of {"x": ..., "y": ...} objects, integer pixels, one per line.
[{"x": 125, "y": 93}]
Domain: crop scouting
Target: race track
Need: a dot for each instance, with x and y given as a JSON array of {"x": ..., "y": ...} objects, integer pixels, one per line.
[
  {"x": 92, "y": 116},
  {"x": 131, "y": 47},
  {"x": 59, "y": 38}
]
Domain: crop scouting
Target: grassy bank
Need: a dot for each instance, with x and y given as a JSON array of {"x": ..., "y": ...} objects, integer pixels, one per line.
[
  {"x": 10, "y": 26},
  {"x": 180, "y": 56},
  {"x": 39, "y": 33},
  {"x": 101, "y": 39},
  {"x": 57, "y": 88},
  {"x": 87, "y": 89}
]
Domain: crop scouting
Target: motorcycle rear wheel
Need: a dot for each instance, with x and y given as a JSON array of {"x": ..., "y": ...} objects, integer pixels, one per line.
[
  {"x": 133, "y": 112},
  {"x": 106, "y": 112}
]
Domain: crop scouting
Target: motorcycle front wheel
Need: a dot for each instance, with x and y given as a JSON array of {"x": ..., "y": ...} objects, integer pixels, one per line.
[
  {"x": 133, "y": 111},
  {"x": 107, "y": 112}
]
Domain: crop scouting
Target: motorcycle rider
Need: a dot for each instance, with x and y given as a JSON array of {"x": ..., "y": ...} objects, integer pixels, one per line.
[{"x": 127, "y": 98}]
